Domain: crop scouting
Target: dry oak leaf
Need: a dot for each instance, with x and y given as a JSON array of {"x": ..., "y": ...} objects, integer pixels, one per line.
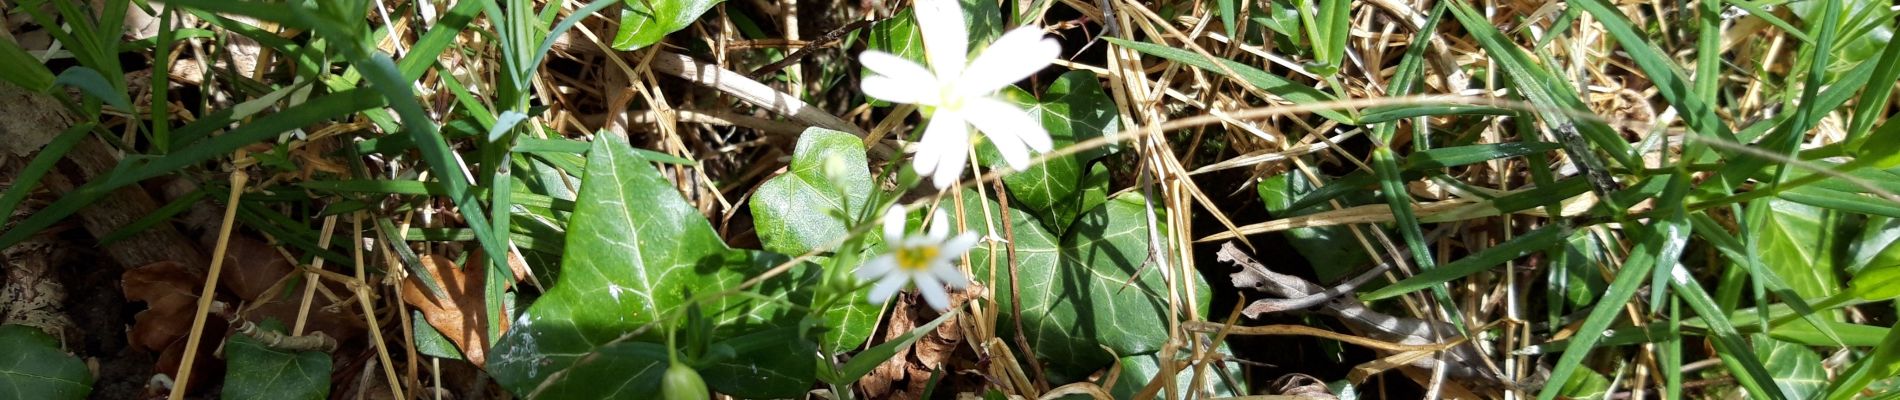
[{"x": 459, "y": 317}]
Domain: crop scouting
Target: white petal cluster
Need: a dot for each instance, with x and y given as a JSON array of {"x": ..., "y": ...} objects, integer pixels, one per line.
[
  {"x": 963, "y": 91},
  {"x": 923, "y": 259}
]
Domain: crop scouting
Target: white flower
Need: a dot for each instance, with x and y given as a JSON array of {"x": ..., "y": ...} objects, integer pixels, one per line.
[
  {"x": 963, "y": 90},
  {"x": 921, "y": 259}
]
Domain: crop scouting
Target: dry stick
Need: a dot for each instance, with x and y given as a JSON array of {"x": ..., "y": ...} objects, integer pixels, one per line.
[
  {"x": 238, "y": 179},
  {"x": 1303, "y": 330},
  {"x": 369, "y": 311},
  {"x": 746, "y": 89},
  {"x": 818, "y": 43},
  {"x": 1015, "y": 281},
  {"x": 310, "y": 278}
]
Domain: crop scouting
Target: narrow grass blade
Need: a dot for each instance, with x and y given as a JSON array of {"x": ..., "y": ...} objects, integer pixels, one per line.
[
  {"x": 1533, "y": 241},
  {"x": 314, "y": 111},
  {"x": 29, "y": 177},
  {"x": 1271, "y": 83}
]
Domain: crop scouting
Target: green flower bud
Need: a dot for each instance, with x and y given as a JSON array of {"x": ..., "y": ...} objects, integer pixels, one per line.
[{"x": 683, "y": 383}]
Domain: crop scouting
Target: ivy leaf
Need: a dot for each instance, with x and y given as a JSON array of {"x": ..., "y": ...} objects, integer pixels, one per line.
[
  {"x": 1792, "y": 240},
  {"x": 1796, "y": 368},
  {"x": 1139, "y": 370},
  {"x": 1586, "y": 385},
  {"x": 645, "y": 22},
  {"x": 897, "y": 35},
  {"x": 985, "y": 20},
  {"x": 33, "y": 367},
  {"x": 258, "y": 372},
  {"x": 761, "y": 364},
  {"x": 1578, "y": 278},
  {"x": 1332, "y": 250},
  {"x": 634, "y": 252},
  {"x": 1090, "y": 289},
  {"x": 1073, "y": 109},
  {"x": 804, "y": 209}
]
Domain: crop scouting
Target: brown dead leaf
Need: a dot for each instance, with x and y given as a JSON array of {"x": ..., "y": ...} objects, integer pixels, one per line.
[
  {"x": 170, "y": 293},
  {"x": 907, "y": 373},
  {"x": 252, "y": 267},
  {"x": 459, "y": 316}
]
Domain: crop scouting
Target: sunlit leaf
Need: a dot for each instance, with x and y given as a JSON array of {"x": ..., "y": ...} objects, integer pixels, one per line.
[
  {"x": 645, "y": 22},
  {"x": 807, "y": 209},
  {"x": 1092, "y": 288},
  {"x": 635, "y": 252}
]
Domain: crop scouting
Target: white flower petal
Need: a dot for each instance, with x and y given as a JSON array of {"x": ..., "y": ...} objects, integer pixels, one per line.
[
  {"x": 897, "y": 91},
  {"x": 894, "y": 225},
  {"x": 929, "y": 148},
  {"x": 939, "y": 225},
  {"x": 950, "y": 167},
  {"x": 1003, "y": 118},
  {"x": 896, "y": 66},
  {"x": 946, "y": 38},
  {"x": 880, "y": 266},
  {"x": 950, "y": 275},
  {"x": 955, "y": 247},
  {"x": 942, "y": 151},
  {"x": 888, "y": 286},
  {"x": 896, "y": 79},
  {"x": 933, "y": 292},
  {"x": 1018, "y": 54}
]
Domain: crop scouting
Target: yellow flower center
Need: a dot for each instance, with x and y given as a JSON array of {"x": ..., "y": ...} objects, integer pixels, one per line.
[
  {"x": 949, "y": 98},
  {"x": 916, "y": 258}
]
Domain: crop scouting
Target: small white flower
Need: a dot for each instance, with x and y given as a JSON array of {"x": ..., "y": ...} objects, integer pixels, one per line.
[
  {"x": 963, "y": 91},
  {"x": 921, "y": 259}
]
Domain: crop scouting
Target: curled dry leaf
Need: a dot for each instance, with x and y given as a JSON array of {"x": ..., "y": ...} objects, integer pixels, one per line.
[
  {"x": 459, "y": 316},
  {"x": 907, "y": 373},
  {"x": 170, "y": 292}
]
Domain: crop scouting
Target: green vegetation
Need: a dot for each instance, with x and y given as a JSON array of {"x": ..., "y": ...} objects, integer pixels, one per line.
[{"x": 1174, "y": 199}]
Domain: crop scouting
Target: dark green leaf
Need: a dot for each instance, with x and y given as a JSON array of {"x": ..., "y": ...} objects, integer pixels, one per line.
[
  {"x": 22, "y": 69},
  {"x": 33, "y": 367},
  {"x": 1096, "y": 287},
  {"x": 634, "y": 250},
  {"x": 95, "y": 85},
  {"x": 1332, "y": 250},
  {"x": 1073, "y": 109},
  {"x": 254, "y": 371}
]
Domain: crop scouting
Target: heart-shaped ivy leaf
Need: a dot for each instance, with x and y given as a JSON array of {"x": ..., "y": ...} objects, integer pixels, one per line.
[
  {"x": 1073, "y": 109},
  {"x": 635, "y": 252},
  {"x": 807, "y": 208},
  {"x": 257, "y": 371},
  {"x": 1091, "y": 289}
]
